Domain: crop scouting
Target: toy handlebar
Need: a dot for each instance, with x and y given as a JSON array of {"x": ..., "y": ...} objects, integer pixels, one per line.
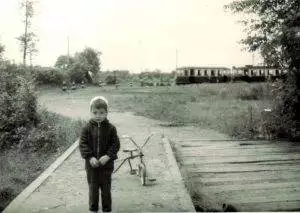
[{"x": 140, "y": 148}]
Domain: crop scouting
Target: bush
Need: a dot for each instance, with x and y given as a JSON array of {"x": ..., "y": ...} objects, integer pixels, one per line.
[
  {"x": 110, "y": 80},
  {"x": 52, "y": 132},
  {"x": 48, "y": 76},
  {"x": 251, "y": 93},
  {"x": 246, "y": 125},
  {"x": 284, "y": 122},
  {"x": 18, "y": 106}
]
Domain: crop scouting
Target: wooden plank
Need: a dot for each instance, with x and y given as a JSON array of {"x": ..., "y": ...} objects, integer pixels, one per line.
[
  {"x": 257, "y": 162},
  {"x": 209, "y": 183},
  {"x": 233, "y": 152},
  {"x": 224, "y": 155},
  {"x": 243, "y": 186},
  {"x": 239, "y": 168},
  {"x": 255, "y": 176},
  {"x": 208, "y": 140},
  {"x": 239, "y": 148},
  {"x": 260, "y": 195},
  {"x": 269, "y": 206},
  {"x": 240, "y": 143},
  {"x": 235, "y": 144},
  {"x": 245, "y": 200},
  {"x": 228, "y": 159},
  {"x": 226, "y": 148}
]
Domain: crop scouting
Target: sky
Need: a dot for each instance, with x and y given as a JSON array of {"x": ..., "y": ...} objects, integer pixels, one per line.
[{"x": 132, "y": 35}]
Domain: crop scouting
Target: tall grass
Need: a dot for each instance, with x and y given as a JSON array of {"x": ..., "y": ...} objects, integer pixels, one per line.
[
  {"x": 233, "y": 109},
  {"x": 24, "y": 162}
]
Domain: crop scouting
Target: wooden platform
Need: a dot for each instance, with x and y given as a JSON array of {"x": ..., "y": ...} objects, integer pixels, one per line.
[{"x": 250, "y": 175}]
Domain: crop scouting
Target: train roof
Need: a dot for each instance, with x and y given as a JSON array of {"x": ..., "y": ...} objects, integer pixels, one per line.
[
  {"x": 204, "y": 67},
  {"x": 255, "y": 67}
]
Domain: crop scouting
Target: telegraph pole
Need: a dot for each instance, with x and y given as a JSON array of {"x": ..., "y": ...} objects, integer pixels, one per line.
[
  {"x": 176, "y": 58},
  {"x": 68, "y": 51},
  {"x": 176, "y": 63}
]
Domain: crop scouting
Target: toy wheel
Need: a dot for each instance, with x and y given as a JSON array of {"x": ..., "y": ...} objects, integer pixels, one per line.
[{"x": 142, "y": 174}]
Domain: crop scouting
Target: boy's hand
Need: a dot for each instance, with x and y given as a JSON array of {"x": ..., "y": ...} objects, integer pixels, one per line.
[
  {"x": 103, "y": 160},
  {"x": 94, "y": 163}
]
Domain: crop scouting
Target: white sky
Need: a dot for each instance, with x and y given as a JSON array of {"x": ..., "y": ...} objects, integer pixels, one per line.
[{"x": 132, "y": 34}]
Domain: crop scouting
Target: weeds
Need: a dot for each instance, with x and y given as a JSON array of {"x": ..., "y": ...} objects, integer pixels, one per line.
[{"x": 38, "y": 147}]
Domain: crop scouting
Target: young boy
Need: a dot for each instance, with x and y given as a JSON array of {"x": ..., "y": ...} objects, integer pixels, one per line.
[{"x": 99, "y": 144}]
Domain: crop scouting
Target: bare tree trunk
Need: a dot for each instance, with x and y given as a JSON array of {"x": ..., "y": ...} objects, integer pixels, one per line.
[{"x": 25, "y": 34}]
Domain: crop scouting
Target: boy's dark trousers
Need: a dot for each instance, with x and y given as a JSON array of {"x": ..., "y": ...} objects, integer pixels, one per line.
[{"x": 99, "y": 178}]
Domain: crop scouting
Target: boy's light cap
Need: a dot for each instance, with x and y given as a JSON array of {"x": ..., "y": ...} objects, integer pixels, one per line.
[{"x": 98, "y": 98}]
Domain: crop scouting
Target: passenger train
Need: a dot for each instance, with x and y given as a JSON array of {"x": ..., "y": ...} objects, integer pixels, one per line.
[{"x": 248, "y": 73}]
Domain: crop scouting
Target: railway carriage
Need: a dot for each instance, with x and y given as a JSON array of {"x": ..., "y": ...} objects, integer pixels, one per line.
[
  {"x": 248, "y": 73},
  {"x": 190, "y": 75}
]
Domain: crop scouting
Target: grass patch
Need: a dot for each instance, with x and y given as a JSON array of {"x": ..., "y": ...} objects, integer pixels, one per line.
[
  {"x": 230, "y": 108},
  {"x": 23, "y": 163},
  {"x": 233, "y": 109}
]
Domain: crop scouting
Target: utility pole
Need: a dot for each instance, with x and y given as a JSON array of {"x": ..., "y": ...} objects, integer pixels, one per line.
[
  {"x": 176, "y": 64},
  {"x": 176, "y": 58},
  {"x": 141, "y": 55},
  {"x": 68, "y": 51}
]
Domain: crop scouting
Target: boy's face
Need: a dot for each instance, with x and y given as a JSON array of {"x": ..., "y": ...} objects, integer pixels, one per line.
[{"x": 98, "y": 114}]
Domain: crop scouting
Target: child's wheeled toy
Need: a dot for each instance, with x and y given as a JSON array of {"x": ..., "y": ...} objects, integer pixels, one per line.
[{"x": 141, "y": 170}]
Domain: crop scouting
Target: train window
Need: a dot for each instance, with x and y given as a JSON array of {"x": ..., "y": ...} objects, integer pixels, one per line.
[
  {"x": 252, "y": 73},
  {"x": 186, "y": 73},
  {"x": 219, "y": 73},
  {"x": 277, "y": 72},
  {"x": 205, "y": 72},
  {"x": 192, "y": 72},
  {"x": 212, "y": 73},
  {"x": 199, "y": 72},
  {"x": 259, "y": 72}
]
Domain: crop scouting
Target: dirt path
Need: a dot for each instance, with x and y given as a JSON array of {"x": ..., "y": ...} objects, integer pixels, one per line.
[
  {"x": 139, "y": 127},
  {"x": 66, "y": 189}
]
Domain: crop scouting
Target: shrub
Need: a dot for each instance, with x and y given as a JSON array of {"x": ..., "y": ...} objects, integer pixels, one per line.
[
  {"x": 78, "y": 72},
  {"x": 245, "y": 125},
  {"x": 284, "y": 120},
  {"x": 110, "y": 79},
  {"x": 51, "y": 133},
  {"x": 48, "y": 76},
  {"x": 18, "y": 106},
  {"x": 251, "y": 93}
]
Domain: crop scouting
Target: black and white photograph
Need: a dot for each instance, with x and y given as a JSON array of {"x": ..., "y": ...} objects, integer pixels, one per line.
[{"x": 148, "y": 106}]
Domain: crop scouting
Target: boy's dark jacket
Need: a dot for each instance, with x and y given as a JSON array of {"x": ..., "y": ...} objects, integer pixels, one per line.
[{"x": 98, "y": 139}]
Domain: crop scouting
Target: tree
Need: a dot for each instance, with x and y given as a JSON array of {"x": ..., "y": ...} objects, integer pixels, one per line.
[
  {"x": 2, "y": 49},
  {"x": 64, "y": 61},
  {"x": 77, "y": 72},
  {"x": 264, "y": 24},
  {"x": 32, "y": 50},
  {"x": 89, "y": 61},
  {"x": 90, "y": 56},
  {"x": 28, "y": 38},
  {"x": 273, "y": 27}
]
